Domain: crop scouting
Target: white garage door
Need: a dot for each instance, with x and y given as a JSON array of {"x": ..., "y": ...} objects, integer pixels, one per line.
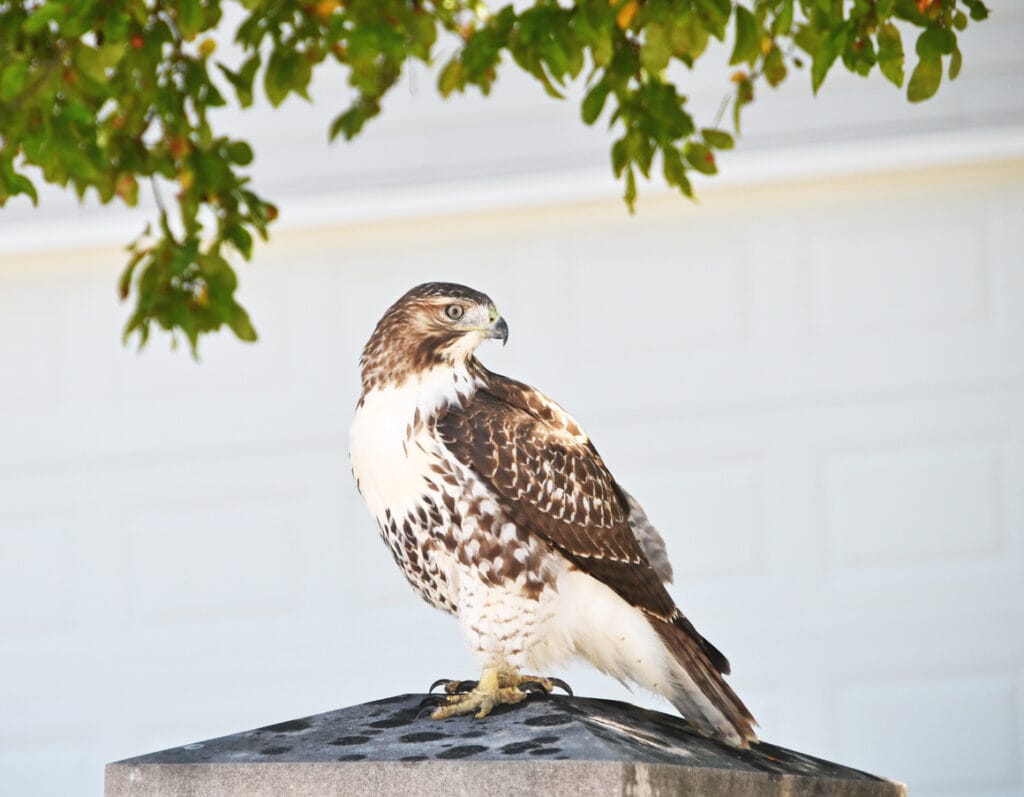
[{"x": 817, "y": 390}]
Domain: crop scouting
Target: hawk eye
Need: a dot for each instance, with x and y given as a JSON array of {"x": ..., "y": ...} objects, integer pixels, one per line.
[{"x": 454, "y": 311}]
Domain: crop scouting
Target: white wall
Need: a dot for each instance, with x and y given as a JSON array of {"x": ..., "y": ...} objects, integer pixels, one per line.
[{"x": 815, "y": 385}]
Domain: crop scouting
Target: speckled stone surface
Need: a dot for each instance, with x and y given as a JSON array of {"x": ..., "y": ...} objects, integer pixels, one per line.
[{"x": 547, "y": 745}]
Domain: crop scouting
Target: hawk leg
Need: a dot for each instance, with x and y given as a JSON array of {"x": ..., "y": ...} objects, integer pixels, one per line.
[{"x": 495, "y": 687}]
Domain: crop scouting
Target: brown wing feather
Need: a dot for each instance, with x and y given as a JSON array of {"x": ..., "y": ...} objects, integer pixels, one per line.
[{"x": 555, "y": 484}]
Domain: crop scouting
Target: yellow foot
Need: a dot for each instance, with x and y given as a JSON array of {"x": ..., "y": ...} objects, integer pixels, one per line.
[{"x": 493, "y": 689}]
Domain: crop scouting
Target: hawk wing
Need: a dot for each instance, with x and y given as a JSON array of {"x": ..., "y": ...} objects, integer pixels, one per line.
[
  {"x": 650, "y": 540},
  {"x": 553, "y": 482}
]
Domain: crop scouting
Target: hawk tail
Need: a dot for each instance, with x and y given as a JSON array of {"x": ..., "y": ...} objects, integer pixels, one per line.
[{"x": 697, "y": 688}]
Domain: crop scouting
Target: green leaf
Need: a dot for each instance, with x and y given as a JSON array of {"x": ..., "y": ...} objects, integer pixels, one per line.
[
  {"x": 655, "y": 52},
  {"x": 287, "y": 71},
  {"x": 190, "y": 20},
  {"x": 42, "y": 16},
  {"x": 663, "y": 118},
  {"x": 807, "y": 39},
  {"x": 672, "y": 165},
  {"x": 890, "y": 53},
  {"x": 124, "y": 283},
  {"x": 774, "y": 66},
  {"x": 925, "y": 80},
  {"x": 549, "y": 88},
  {"x": 700, "y": 157},
  {"x": 240, "y": 238},
  {"x": 111, "y": 54},
  {"x": 22, "y": 185},
  {"x": 675, "y": 171},
  {"x": 859, "y": 56},
  {"x": 241, "y": 325},
  {"x": 935, "y": 42},
  {"x": 639, "y": 150},
  {"x": 630, "y": 193},
  {"x": 242, "y": 79},
  {"x": 979, "y": 10},
  {"x": 620, "y": 156},
  {"x": 748, "y": 38},
  {"x": 12, "y": 79},
  {"x": 15, "y": 183},
  {"x": 593, "y": 102},
  {"x": 90, "y": 63},
  {"x": 115, "y": 28},
  {"x": 826, "y": 54},
  {"x": 783, "y": 22},
  {"x": 452, "y": 78},
  {"x": 239, "y": 152},
  {"x": 350, "y": 122},
  {"x": 715, "y": 14},
  {"x": 602, "y": 48},
  {"x": 688, "y": 38},
  {"x": 78, "y": 111},
  {"x": 718, "y": 139},
  {"x": 955, "y": 63},
  {"x": 218, "y": 274}
]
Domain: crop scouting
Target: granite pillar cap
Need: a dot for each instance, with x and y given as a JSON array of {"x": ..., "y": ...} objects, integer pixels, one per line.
[{"x": 546, "y": 745}]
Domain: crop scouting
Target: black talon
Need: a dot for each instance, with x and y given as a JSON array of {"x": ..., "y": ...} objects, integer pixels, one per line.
[
  {"x": 453, "y": 687},
  {"x": 429, "y": 703},
  {"x": 561, "y": 685},
  {"x": 532, "y": 687},
  {"x": 440, "y": 682}
]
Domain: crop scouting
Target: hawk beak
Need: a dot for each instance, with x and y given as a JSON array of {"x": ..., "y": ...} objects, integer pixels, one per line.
[{"x": 499, "y": 329}]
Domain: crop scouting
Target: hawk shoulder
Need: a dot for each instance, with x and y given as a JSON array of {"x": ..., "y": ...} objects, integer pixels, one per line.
[{"x": 552, "y": 481}]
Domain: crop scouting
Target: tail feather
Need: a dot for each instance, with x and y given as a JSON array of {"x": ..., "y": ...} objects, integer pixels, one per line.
[
  {"x": 715, "y": 656},
  {"x": 698, "y": 689}
]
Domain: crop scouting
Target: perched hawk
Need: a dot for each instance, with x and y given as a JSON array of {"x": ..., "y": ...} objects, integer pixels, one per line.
[{"x": 499, "y": 510}]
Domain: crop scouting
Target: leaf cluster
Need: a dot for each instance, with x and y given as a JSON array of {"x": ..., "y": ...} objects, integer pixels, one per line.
[{"x": 110, "y": 95}]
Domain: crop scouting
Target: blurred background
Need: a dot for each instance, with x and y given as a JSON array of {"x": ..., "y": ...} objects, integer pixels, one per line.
[{"x": 813, "y": 379}]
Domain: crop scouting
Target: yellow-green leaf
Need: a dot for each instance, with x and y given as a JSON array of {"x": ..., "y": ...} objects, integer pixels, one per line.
[
  {"x": 955, "y": 63},
  {"x": 700, "y": 157},
  {"x": 890, "y": 53},
  {"x": 748, "y": 40},
  {"x": 718, "y": 139},
  {"x": 593, "y": 103},
  {"x": 925, "y": 80},
  {"x": 12, "y": 79}
]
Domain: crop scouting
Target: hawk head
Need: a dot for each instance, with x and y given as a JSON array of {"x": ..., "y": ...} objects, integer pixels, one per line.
[{"x": 434, "y": 324}]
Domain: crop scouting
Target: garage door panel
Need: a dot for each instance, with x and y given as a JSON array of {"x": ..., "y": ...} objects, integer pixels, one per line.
[
  {"x": 877, "y": 718},
  {"x": 905, "y": 504}
]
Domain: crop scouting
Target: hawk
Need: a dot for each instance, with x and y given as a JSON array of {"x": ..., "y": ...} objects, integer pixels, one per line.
[{"x": 498, "y": 509}]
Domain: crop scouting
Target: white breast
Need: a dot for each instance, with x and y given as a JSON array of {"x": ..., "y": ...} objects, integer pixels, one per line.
[{"x": 391, "y": 454}]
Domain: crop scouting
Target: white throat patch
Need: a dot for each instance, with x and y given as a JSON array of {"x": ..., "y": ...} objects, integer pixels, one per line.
[{"x": 390, "y": 446}]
